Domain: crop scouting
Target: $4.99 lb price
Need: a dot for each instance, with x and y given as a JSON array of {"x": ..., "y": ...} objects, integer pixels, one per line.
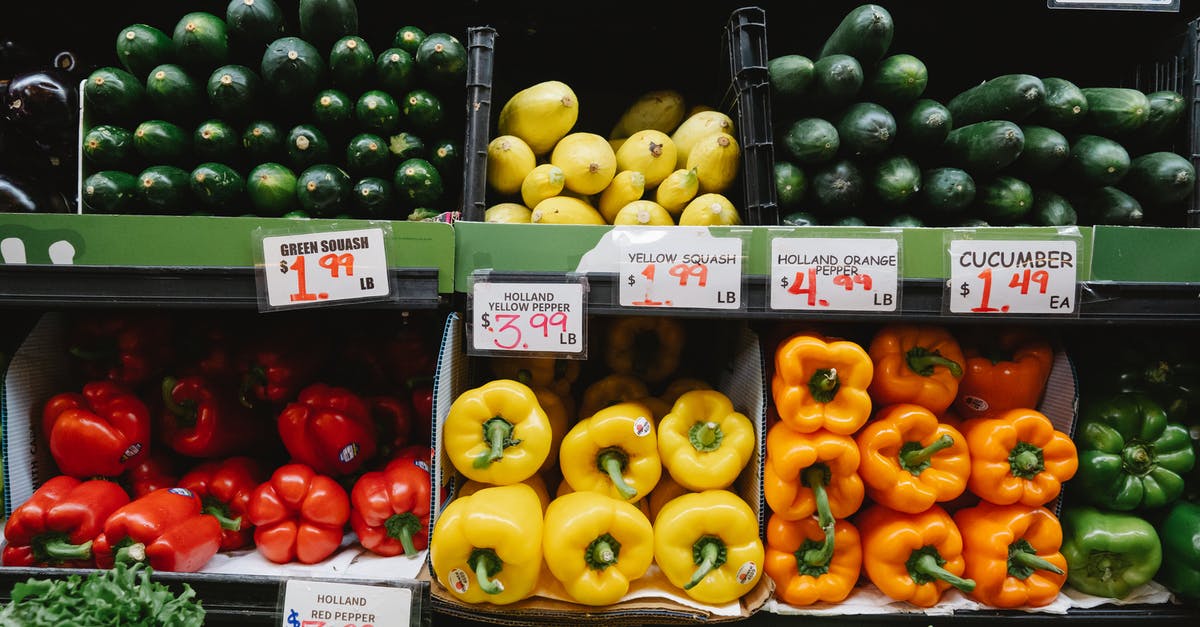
[
  {"x": 835, "y": 274},
  {"x": 999, "y": 277}
]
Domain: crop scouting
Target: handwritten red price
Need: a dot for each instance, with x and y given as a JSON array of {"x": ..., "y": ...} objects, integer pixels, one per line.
[
  {"x": 510, "y": 325},
  {"x": 1022, "y": 281},
  {"x": 333, "y": 262},
  {"x": 805, "y": 284}
]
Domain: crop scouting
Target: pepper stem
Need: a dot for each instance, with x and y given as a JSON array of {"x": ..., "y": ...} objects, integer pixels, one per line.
[
  {"x": 219, "y": 512},
  {"x": 1028, "y": 562},
  {"x": 816, "y": 478},
  {"x": 132, "y": 553},
  {"x": 922, "y": 361},
  {"x": 924, "y": 567},
  {"x": 1026, "y": 460},
  {"x": 254, "y": 376},
  {"x": 824, "y": 384},
  {"x": 602, "y": 552},
  {"x": 613, "y": 462},
  {"x": 708, "y": 553},
  {"x": 185, "y": 412},
  {"x": 402, "y": 527},
  {"x": 914, "y": 460},
  {"x": 706, "y": 437},
  {"x": 498, "y": 433},
  {"x": 59, "y": 548},
  {"x": 486, "y": 565}
]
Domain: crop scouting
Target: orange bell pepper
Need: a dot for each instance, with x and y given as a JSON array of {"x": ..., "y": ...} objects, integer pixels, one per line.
[
  {"x": 807, "y": 471},
  {"x": 913, "y": 557},
  {"x": 915, "y": 363},
  {"x": 910, "y": 460},
  {"x": 822, "y": 382},
  {"x": 1012, "y": 553},
  {"x": 1018, "y": 457},
  {"x": 811, "y": 563},
  {"x": 1003, "y": 371}
]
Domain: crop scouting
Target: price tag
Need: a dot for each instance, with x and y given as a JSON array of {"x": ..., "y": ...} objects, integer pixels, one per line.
[
  {"x": 308, "y": 603},
  {"x": 680, "y": 268},
  {"x": 528, "y": 317},
  {"x": 321, "y": 268},
  {"x": 835, "y": 274},
  {"x": 1018, "y": 277}
]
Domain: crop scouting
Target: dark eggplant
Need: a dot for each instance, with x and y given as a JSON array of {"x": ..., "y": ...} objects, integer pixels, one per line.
[
  {"x": 20, "y": 194},
  {"x": 43, "y": 104},
  {"x": 16, "y": 57}
]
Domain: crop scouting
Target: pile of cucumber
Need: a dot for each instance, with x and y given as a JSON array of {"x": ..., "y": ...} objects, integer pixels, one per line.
[
  {"x": 858, "y": 141},
  {"x": 235, "y": 116}
]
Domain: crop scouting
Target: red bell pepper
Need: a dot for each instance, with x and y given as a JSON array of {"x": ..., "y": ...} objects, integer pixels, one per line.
[
  {"x": 421, "y": 453},
  {"x": 101, "y": 432},
  {"x": 421, "y": 392},
  {"x": 410, "y": 352},
  {"x": 275, "y": 375},
  {"x": 124, "y": 348},
  {"x": 201, "y": 419},
  {"x": 328, "y": 428},
  {"x": 57, "y": 525},
  {"x": 167, "y": 528},
  {"x": 393, "y": 417},
  {"x": 390, "y": 509},
  {"x": 298, "y": 515},
  {"x": 157, "y": 470},
  {"x": 224, "y": 487}
]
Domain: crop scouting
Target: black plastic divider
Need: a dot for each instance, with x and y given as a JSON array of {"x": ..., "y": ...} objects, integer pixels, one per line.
[
  {"x": 481, "y": 46},
  {"x": 745, "y": 43}
]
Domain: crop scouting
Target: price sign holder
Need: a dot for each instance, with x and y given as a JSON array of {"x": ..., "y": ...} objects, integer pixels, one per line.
[
  {"x": 1116, "y": 5},
  {"x": 681, "y": 267},
  {"x": 351, "y": 603},
  {"x": 1014, "y": 271},
  {"x": 540, "y": 317},
  {"x": 835, "y": 270},
  {"x": 319, "y": 263}
]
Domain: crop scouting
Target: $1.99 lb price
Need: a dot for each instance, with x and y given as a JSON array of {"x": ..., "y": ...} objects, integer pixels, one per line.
[
  {"x": 1012, "y": 277},
  {"x": 317, "y": 268},
  {"x": 528, "y": 317},
  {"x": 679, "y": 269}
]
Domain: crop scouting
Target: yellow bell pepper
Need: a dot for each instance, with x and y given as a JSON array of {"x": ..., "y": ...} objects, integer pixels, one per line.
[
  {"x": 487, "y": 547},
  {"x": 538, "y": 372},
  {"x": 556, "y": 410},
  {"x": 707, "y": 543},
  {"x": 647, "y": 347},
  {"x": 612, "y": 389},
  {"x": 497, "y": 433},
  {"x": 536, "y": 482},
  {"x": 678, "y": 387},
  {"x": 665, "y": 492},
  {"x": 656, "y": 405},
  {"x": 615, "y": 452},
  {"x": 703, "y": 442},
  {"x": 595, "y": 545},
  {"x": 642, "y": 504}
]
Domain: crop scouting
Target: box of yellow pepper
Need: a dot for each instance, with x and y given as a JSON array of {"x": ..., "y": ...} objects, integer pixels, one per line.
[{"x": 624, "y": 486}]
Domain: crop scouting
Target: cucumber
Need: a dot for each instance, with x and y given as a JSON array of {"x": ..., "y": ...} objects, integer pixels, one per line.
[
  {"x": 165, "y": 189},
  {"x": 923, "y": 126},
  {"x": 865, "y": 33},
  {"x": 351, "y": 62},
  {"x": 1116, "y": 111},
  {"x": 159, "y": 141},
  {"x": 262, "y": 141},
  {"x": 946, "y": 190},
  {"x": 377, "y": 112},
  {"x": 1063, "y": 107},
  {"x": 405, "y": 145},
  {"x": 173, "y": 93},
  {"x": 790, "y": 77},
  {"x": 1159, "y": 178},
  {"x": 141, "y": 48},
  {"x": 904, "y": 220},
  {"x": 323, "y": 190},
  {"x": 292, "y": 69},
  {"x": 442, "y": 59},
  {"x": 799, "y": 218},
  {"x": 866, "y": 129},
  {"x": 367, "y": 154},
  {"x": 790, "y": 184},
  {"x": 849, "y": 221},
  {"x": 811, "y": 140},
  {"x": 306, "y": 145},
  {"x": 446, "y": 156},
  {"x": 113, "y": 94},
  {"x": 1097, "y": 161},
  {"x": 1052, "y": 209},
  {"x": 201, "y": 42},
  {"x": 254, "y": 23},
  {"x": 1045, "y": 151},
  {"x": 373, "y": 197},
  {"x": 271, "y": 188},
  {"x": 218, "y": 187},
  {"x": 1003, "y": 199},
  {"x": 837, "y": 80},
  {"x": 1108, "y": 205},
  {"x": 896, "y": 180},
  {"x": 418, "y": 183},
  {"x": 216, "y": 140},
  {"x": 899, "y": 79},
  {"x": 110, "y": 191},
  {"x": 422, "y": 110},
  {"x": 1166, "y": 110},
  {"x": 1009, "y": 97},
  {"x": 234, "y": 92},
  {"x": 108, "y": 146},
  {"x": 984, "y": 147},
  {"x": 408, "y": 38},
  {"x": 838, "y": 186},
  {"x": 333, "y": 109},
  {"x": 323, "y": 22},
  {"x": 394, "y": 71}
]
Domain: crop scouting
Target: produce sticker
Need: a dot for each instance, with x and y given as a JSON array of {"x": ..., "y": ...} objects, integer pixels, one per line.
[
  {"x": 311, "y": 603},
  {"x": 835, "y": 274},
  {"x": 528, "y": 318},
  {"x": 322, "y": 268},
  {"x": 993, "y": 277},
  {"x": 679, "y": 267}
]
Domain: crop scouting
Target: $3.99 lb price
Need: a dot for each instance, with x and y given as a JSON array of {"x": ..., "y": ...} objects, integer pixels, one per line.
[
  {"x": 528, "y": 317},
  {"x": 1012, "y": 277}
]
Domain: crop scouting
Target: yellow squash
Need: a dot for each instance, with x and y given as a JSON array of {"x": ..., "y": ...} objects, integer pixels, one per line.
[
  {"x": 650, "y": 152},
  {"x": 696, "y": 127},
  {"x": 540, "y": 114},
  {"x": 677, "y": 190},
  {"x": 509, "y": 161},
  {"x": 716, "y": 159},
  {"x": 626, "y": 187},
  {"x": 508, "y": 212},
  {"x": 660, "y": 110},
  {"x": 565, "y": 210},
  {"x": 709, "y": 210},
  {"x": 644, "y": 213},
  {"x": 587, "y": 161},
  {"x": 542, "y": 182}
]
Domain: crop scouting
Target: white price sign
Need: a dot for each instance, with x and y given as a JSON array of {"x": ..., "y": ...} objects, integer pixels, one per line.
[
  {"x": 1018, "y": 277},
  {"x": 309, "y": 603},
  {"x": 319, "y": 268},
  {"x": 680, "y": 267},
  {"x": 528, "y": 317},
  {"x": 835, "y": 274}
]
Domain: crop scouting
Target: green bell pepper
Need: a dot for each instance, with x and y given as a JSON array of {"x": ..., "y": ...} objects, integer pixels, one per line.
[
  {"x": 1161, "y": 368},
  {"x": 1108, "y": 553},
  {"x": 1180, "y": 571},
  {"x": 1130, "y": 455}
]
